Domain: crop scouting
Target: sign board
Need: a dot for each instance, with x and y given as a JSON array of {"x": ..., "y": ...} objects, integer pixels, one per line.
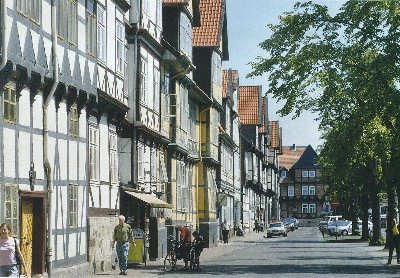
[
  {"x": 335, "y": 203},
  {"x": 136, "y": 252}
]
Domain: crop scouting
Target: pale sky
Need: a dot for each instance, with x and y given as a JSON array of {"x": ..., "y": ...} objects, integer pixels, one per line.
[{"x": 247, "y": 22}]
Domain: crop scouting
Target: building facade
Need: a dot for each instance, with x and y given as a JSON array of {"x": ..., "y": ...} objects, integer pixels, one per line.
[
  {"x": 210, "y": 48},
  {"x": 302, "y": 194},
  {"x": 54, "y": 91}
]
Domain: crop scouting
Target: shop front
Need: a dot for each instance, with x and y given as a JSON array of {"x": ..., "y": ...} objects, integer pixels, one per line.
[{"x": 146, "y": 215}]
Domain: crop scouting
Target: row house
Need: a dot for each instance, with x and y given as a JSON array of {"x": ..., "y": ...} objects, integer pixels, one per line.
[
  {"x": 301, "y": 191},
  {"x": 210, "y": 48},
  {"x": 229, "y": 176},
  {"x": 273, "y": 152},
  {"x": 250, "y": 114},
  {"x": 62, "y": 97}
]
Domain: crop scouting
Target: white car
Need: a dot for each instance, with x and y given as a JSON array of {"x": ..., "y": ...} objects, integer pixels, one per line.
[
  {"x": 276, "y": 229},
  {"x": 340, "y": 227}
]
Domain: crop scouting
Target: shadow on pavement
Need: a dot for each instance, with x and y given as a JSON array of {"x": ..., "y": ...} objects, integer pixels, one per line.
[{"x": 369, "y": 271}]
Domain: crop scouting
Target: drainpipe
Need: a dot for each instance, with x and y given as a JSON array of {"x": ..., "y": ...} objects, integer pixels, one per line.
[
  {"x": 3, "y": 33},
  {"x": 47, "y": 166}
]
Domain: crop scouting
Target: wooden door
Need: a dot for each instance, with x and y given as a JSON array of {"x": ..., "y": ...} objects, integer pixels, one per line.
[{"x": 27, "y": 232}]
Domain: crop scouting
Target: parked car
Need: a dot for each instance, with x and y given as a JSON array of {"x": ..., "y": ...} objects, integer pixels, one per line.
[
  {"x": 323, "y": 224},
  {"x": 339, "y": 227},
  {"x": 289, "y": 224},
  {"x": 276, "y": 229}
]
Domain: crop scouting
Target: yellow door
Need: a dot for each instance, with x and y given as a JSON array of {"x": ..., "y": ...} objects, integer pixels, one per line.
[{"x": 27, "y": 232}]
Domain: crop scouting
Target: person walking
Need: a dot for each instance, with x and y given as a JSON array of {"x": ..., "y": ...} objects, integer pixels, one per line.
[
  {"x": 225, "y": 231},
  {"x": 393, "y": 242},
  {"x": 122, "y": 236},
  {"x": 10, "y": 254}
]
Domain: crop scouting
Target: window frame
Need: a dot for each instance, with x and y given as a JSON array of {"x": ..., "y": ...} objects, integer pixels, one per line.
[
  {"x": 304, "y": 173},
  {"x": 292, "y": 190},
  {"x": 304, "y": 188},
  {"x": 313, "y": 191},
  {"x": 33, "y": 11},
  {"x": 312, "y": 208},
  {"x": 91, "y": 28},
  {"x": 94, "y": 152},
  {"x": 156, "y": 88},
  {"x": 113, "y": 149},
  {"x": 73, "y": 192},
  {"x": 313, "y": 173},
  {"x": 13, "y": 202},
  {"x": 10, "y": 102},
  {"x": 143, "y": 79},
  {"x": 73, "y": 121},
  {"x": 120, "y": 62},
  {"x": 304, "y": 208},
  {"x": 101, "y": 29}
]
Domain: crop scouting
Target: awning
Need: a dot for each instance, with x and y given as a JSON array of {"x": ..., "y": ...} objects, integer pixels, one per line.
[{"x": 149, "y": 199}]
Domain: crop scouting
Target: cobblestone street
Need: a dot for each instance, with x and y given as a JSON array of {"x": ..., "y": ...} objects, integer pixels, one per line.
[{"x": 304, "y": 253}]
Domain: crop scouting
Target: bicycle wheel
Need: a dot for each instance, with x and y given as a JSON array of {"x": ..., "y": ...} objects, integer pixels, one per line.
[{"x": 170, "y": 262}]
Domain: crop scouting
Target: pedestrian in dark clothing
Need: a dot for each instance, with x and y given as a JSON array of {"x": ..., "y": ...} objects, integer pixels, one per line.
[
  {"x": 393, "y": 239},
  {"x": 225, "y": 231}
]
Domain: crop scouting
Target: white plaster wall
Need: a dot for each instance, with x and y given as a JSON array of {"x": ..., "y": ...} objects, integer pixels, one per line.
[
  {"x": 37, "y": 120},
  {"x": 105, "y": 196},
  {"x": 62, "y": 150},
  {"x": 51, "y": 114},
  {"x": 82, "y": 206},
  {"x": 60, "y": 247},
  {"x": 72, "y": 245},
  {"x": 82, "y": 243},
  {"x": 124, "y": 159},
  {"x": 94, "y": 201},
  {"x": 73, "y": 160},
  {"x": 9, "y": 152},
  {"x": 62, "y": 118},
  {"x": 82, "y": 161},
  {"x": 24, "y": 154},
  {"x": 24, "y": 116}
]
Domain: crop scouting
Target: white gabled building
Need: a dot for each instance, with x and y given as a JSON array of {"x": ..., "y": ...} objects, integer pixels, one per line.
[{"x": 53, "y": 83}]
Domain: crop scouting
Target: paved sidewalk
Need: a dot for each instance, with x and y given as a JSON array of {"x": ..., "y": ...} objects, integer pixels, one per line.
[{"x": 156, "y": 268}]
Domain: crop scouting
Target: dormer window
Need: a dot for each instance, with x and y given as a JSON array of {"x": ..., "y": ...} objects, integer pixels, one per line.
[
  {"x": 283, "y": 173},
  {"x": 185, "y": 35}
]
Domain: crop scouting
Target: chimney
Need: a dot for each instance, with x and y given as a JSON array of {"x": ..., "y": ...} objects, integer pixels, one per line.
[{"x": 294, "y": 147}]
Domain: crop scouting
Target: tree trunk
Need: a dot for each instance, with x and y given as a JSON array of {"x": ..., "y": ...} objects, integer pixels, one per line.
[
  {"x": 364, "y": 211},
  {"x": 392, "y": 204},
  {"x": 376, "y": 214}
]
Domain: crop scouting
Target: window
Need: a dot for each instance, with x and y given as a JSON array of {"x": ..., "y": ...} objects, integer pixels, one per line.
[
  {"x": 11, "y": 207},
  {"x": 154, "y": 166},
  {"x": 165, "y": 94},
  {"x": 311, "y": 208},
  {"x": 72, "y": 206},
  {"x": 113, "y": 158},
  {"x": 120, "y": 39},
  {"x": 156, "y": 88},
  {"x": 101, "y": 33},
  {"x": 91, "y": 27},
  {"x": 143, "y": 79},
  {"x": 311, "y": 190},
  {"x": 283, "y": 173},
  {"x": 30, "y": 9},
  {"x": 311, "y": 173},
  {"x": 93, "y": 153},
  {"x": 290, "y": 190},
  {"x": 304, "y": 174},
  {"x": 215, "y": 122},
  {"x": 67, "y": 18},
  {"x": 304, "y": 190},
  {"x": 163, "y": 173},
  {"x": 184, "y": 108},
  {"x": 10, "y": 105},
  {"x": 304, "y": 208},
  {"x": 185, "y": 38},
  {"x": 74, "y": 121},
  {"x": 140, "y": 161}
]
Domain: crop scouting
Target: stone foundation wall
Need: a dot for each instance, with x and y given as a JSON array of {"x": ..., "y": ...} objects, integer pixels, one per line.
[{"x": 100, "y": 232}]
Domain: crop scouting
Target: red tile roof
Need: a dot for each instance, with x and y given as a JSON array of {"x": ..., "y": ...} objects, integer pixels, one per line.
[
  {"x": 274, "y": 133},
  {"x": 249, "y": 104},
  {"x": 211, "y": 14},
  {"x": 289, "y": 156},
  {"x": 225, "y": 78},
  {"x": 262, "y": 129}
]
